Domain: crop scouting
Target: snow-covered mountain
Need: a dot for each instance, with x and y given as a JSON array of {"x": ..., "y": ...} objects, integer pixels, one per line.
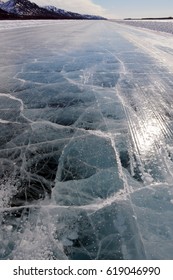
[
  {"x": 54, "y": 9},
  {"x": 70, "y": 14},
  {"x": 6, "y": 15},
  {"x": 23, "y": 8},
  {"x": 26, "y": 9},
  {"x": 62, "y": 12}
]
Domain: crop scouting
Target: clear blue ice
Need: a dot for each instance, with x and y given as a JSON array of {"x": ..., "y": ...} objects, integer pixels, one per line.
[{"x": 86, "y": 150}]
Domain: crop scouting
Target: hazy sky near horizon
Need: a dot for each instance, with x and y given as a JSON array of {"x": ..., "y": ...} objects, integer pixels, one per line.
[{"x": 114, "y": 8}]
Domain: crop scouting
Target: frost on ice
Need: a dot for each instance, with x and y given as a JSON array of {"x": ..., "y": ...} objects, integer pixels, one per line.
[{"x": 86, "y": 143}]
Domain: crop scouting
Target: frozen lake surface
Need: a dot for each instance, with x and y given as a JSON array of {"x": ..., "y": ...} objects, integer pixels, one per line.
[{"x": 86, "y": 141}]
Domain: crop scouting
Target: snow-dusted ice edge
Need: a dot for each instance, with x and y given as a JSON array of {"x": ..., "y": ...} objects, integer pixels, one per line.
[
  {"x": 13, "y": 24},
  {"x": 157, "y": 25}
]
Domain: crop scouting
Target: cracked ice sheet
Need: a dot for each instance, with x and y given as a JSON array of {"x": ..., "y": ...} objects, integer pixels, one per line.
[{"x": 86, "y": 142}]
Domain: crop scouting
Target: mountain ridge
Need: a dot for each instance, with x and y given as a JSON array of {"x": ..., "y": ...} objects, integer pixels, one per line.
[{"x": 24, "y": 9}]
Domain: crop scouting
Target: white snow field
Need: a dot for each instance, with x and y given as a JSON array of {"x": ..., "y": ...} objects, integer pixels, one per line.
[
  {"x": 165, "y": 25},
  {"x": 86, "y": 141}
]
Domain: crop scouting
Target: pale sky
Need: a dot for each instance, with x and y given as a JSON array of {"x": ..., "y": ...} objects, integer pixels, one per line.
[{"x": 114, "y": 8}]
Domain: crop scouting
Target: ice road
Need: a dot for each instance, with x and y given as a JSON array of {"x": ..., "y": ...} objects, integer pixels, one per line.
[{"x": 86, "y": 141}]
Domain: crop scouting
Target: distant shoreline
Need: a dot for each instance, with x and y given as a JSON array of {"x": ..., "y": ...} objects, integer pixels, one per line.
[{"x": 160, "y": 18}]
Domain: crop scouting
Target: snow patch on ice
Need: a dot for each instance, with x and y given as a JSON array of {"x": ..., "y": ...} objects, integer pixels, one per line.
[{"x": 13, "y": 24}]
